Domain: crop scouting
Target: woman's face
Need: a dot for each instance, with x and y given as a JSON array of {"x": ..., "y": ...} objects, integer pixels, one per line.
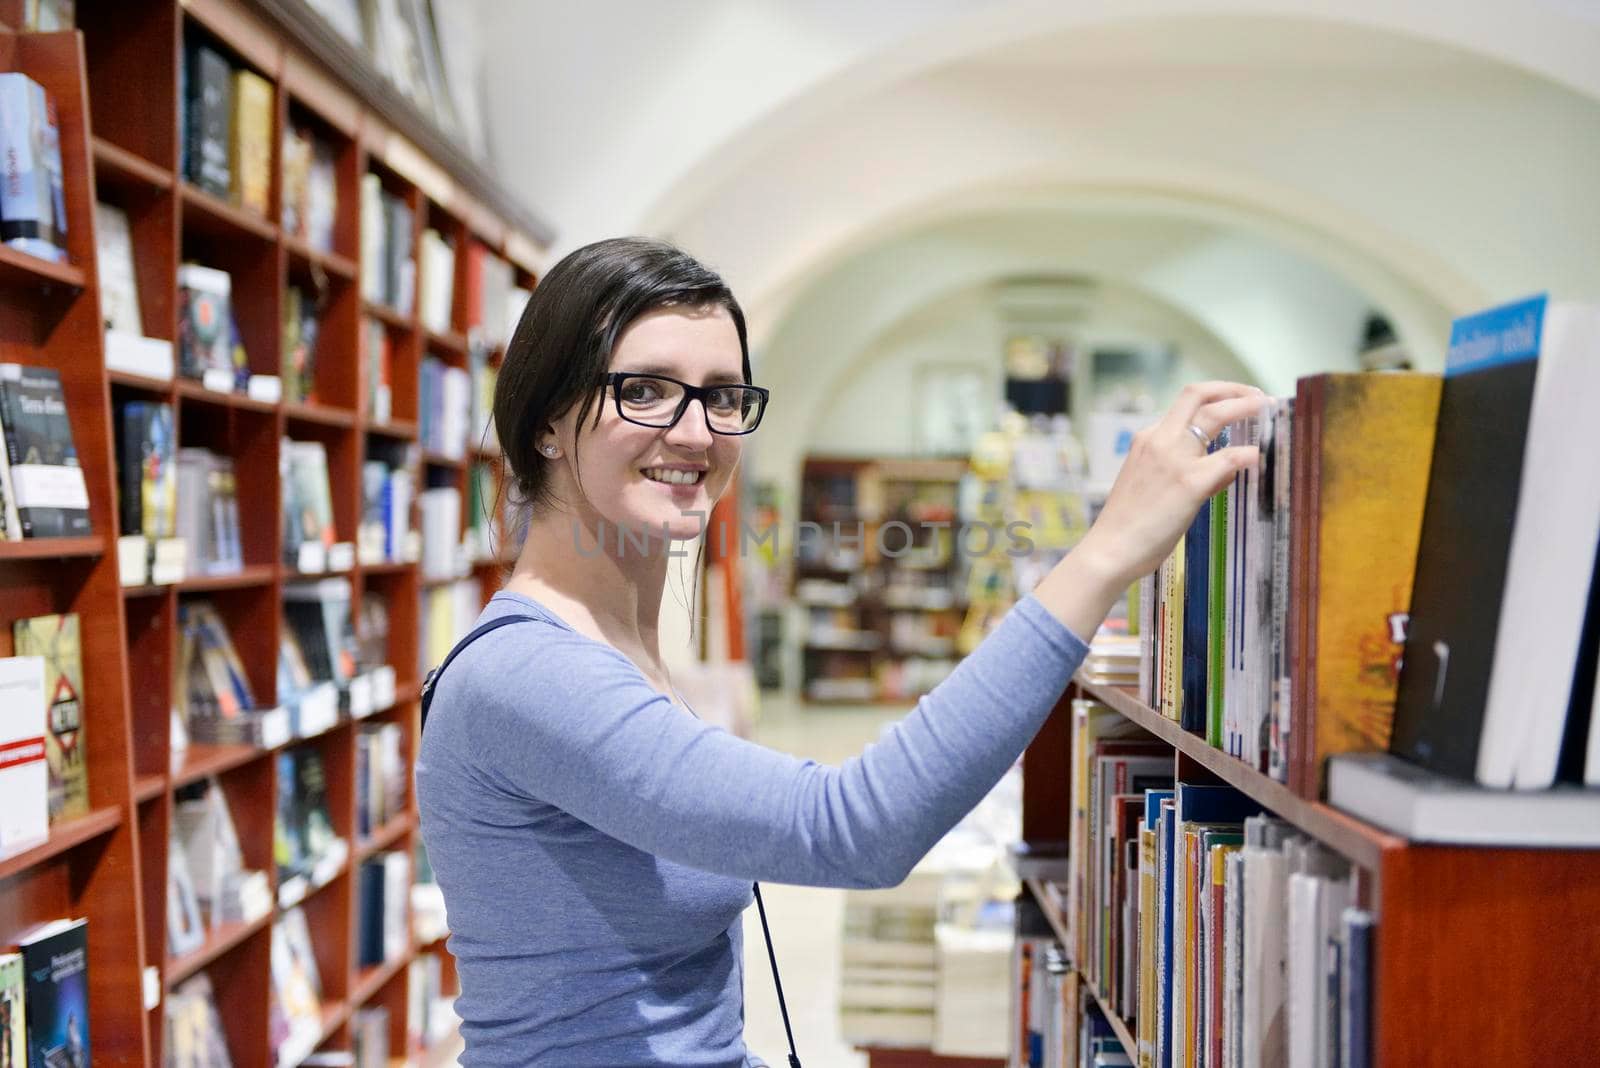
[{"x": 645, "y": 478}]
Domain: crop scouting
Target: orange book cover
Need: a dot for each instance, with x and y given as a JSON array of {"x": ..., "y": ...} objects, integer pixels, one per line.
[{"x": 1366, "y": 499}]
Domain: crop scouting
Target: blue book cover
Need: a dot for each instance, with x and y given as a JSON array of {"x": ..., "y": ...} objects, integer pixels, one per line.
[
  {"x": 1355, "y": 991},
  {"x": 1165, "y": 824},
  {"x": 55, "y": 965}
]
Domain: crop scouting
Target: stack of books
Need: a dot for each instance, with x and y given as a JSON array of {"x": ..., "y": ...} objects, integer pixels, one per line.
[
  {"x": 388, "y": 266},
  {"x": 228, "y": 119},
  {"x": 310, "y": 187},
  {"x": 44, "y": 996}
]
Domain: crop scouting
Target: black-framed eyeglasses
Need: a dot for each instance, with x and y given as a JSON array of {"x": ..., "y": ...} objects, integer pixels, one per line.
[{"x": 658, "y": 401}]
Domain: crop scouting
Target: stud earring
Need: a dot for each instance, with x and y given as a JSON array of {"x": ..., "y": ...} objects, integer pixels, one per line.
[{"x": 548, "y": 450}]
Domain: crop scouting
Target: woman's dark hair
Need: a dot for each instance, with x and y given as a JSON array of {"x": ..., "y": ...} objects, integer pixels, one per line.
[{"x": 561, "y": 349}]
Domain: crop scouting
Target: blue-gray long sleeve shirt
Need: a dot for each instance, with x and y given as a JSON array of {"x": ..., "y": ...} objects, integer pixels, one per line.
[{"x": 596, "y": 842}]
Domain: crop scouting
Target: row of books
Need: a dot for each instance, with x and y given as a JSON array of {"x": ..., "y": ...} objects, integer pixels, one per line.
[
  {"x": 381, "y": 776},
  {"x": 44, "y": 778},
  {"x": 307, "y": 849},
  {"x": 310, "y": 187},
  {"x": 208, "y": 885},
  {"x": 388, "y": 487},
  {"x": 294, "y": 1016},
  {"x": 436, "y": 279},
  {"x": 194, "y": 1036},
  {"x": 44, "y": 996},
  {"x": 1055, "y": 1021},
  {"x": 445, "y": 408},
  {"x": 1342, "y": 597},
  {"x": 225, "y": 140},
  {"x": 33, "y": 212},
  {"x": 308, "y": 525},
  {"x": 383, "y": 930},
  {"x": 448, "y": 612},
  {"x": 388, "y": 266},
  {"x": 1225, "y": 936}
]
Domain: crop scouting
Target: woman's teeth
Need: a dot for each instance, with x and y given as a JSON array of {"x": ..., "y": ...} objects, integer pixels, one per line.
[{"x": 676, "y": 478}]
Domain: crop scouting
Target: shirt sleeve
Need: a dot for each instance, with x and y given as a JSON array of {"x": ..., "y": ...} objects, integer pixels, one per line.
[{"x": 577, "y": 726}]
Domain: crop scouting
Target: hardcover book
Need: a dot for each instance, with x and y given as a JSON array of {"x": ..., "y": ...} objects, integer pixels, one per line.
[
  {"x": 250, "y": 147},
  {"x": 55, "y": 638},
  {"x": 119, "y": 287},
  {"x": 147, "y": 469},
  {"x": 51, "y": 497},
  {"x": 55, "y": 964},
  {"x": 205, "y": 322},
  {"x": 1358, "y": 508},
  {"x": 32, "y": 213},
  {"x": 210, "y": 114}
]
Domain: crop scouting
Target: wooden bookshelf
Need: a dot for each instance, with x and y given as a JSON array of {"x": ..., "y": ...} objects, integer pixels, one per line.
[
  {"x": 115, "y": 82},
  {"x": 1480, "y": 956}
]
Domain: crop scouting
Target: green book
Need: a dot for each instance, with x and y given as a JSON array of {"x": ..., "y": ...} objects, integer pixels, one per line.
[{"x": 1216, "y": 635}]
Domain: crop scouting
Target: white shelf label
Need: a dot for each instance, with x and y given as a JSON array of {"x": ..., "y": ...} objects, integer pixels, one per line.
[
  {"x": 217, "y": 379},
  {"x": 132, "y": 560},
  {"x": 171, "y": 556},
  {"x": 265, "y": 388},
  {"x": 152, "y": 986},
  {"x": 361, "y": 696},
  {"x": 311, "y": 558},
  {"x": 341, "y": 556},
  {"x": 274, "y": 728},
  {"x": 318, "y": 710},
  {"x": 383, "y": 687}
]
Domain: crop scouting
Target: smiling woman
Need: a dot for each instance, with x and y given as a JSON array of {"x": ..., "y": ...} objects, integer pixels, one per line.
[{"x": 595, "y": 842}]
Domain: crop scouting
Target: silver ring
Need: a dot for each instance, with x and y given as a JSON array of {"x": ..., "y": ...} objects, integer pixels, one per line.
[{"x": 1200, "y": 436}]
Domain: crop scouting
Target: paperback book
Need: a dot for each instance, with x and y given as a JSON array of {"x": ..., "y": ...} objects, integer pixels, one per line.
[
  {"x": 55, "y": 638},
  {"x": 46, "y": 482}
]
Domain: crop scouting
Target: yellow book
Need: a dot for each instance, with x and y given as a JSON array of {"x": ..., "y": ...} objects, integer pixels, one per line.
[
  {"x": 1146, "y": 1021},
  {"x": 1172, "y": 638},
  {"x": 251, "y": 144}
]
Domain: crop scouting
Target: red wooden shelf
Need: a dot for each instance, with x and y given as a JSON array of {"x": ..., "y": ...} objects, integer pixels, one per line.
[
  {"x": 386, "y": 836},
  {"x": 215, "y": 217},
  {"x": 144, "y": 382},
  {"x": 373, "y": 979},
  {"x": 116, "y": 166},
  {"x": 250, "y": 575},
  {"x": 193, "y": 391},
  {"x": 438, "y": 459},
  {"x": 148, "y": 787},
  {"x": 388, "y": 315},
  {"x": 218, "y": 941},
  {"x": 450, "y": 342},
  {"x": 321, "y": 414},
  {"x": 304, "y": 256},
  {"x": 389, "y": 567},
  {"x": 403, "y": 429},
  {"x": 1360, "y": 842},
  {"x": 201, "y": 760},
  {"x": 52, "y": 548},
  {"x": 63, "y": 836},
  {"x": 20, "y": 270}
]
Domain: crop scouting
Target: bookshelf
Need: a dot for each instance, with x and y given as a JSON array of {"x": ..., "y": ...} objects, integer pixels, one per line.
[
  {"x": 115, "y": 82},
  {"x": 1480, "y": 955}
]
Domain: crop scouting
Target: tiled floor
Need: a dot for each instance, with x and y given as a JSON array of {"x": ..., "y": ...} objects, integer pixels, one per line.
[{"x": 805, "y": 920}]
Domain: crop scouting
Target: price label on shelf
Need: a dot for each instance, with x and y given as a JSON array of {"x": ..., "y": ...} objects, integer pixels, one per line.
[
  {"x": 311, "y": 558},
  {"x": 274, "y": 728},
  {"x": 318, "y": 710},
  {"x": 361, "y": 696},
  {"x": 152, "y": 986},
  {"x": 169, "y": 561},
  {"x": 292, "y": 891},
  {"x": 341, "y": 556},
  {"x": 383, "y": 687},
  {"x": 217, "y": 379},
  {"x": 265, "y": 388},
  {"x": 133, "y": 560}
]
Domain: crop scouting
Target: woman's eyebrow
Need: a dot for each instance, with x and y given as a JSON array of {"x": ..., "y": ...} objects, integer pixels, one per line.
[{"x": 668, "y": 371}]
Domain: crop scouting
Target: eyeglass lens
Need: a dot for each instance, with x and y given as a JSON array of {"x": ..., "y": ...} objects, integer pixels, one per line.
[{"x": 654, "y": 402}]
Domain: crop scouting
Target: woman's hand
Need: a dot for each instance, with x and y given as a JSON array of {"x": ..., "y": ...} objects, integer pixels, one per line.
[{"x": 1164, "y": 480}]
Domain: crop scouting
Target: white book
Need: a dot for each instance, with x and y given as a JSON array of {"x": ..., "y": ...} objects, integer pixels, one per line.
[
  {"x": 1550, "y": 563},
  {"x": 374, "y": 239},
  {"x": 1304, "y": 967},
  {"x": 24, "y": 773},
  {"x": 119, "y": 287},
  {"x": 1232, "y": 949},
  {"x": 1262, "y": 1023},
  {"x": 441, "y": 531}
]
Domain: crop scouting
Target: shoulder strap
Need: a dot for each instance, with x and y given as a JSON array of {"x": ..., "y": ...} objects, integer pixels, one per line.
[{"x": 432, "y": 680}]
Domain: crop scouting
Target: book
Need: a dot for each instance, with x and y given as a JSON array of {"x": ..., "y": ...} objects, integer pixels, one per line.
[
  {"x": 47, "y": 484},
  {"x": 205, "y": 325},
  {"x": 48, "y": 16},
  {"x": 119, "y": 285},
  {"x": 55, "y": 964},
  {"x": 147, "y": 472},
  {"x": 186, "y": 929},
  {"x": 250, "y": 141},
  {"x": 319, "y": 613},
  {"x": 436, "y": 280},
  {"x": 1359, "y": 510},
  {"x": 1507, "y": 551},
  {"x": 13, "y": 1013},
  {"x": 32, "y": 211},
  {"x": 300, "y": 332},
  {"x": 24, "y": 765},
  {"x": 195, "y": 1037},
  {"x": 209, "y": 114},
  {"x": 208, "y": 512},
  {"x": 307, "y": 501},
  {"x": 1423, "y": 805},
  {"x": 376, "y": 350},
  {"x": 56, "y": 639},
  {"x": 294, "y": 190}
]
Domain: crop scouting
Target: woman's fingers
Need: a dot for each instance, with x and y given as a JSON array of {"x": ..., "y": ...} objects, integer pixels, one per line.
[
  {"x": 1198, "y": 395},
  {"x": 1214, "y": 416},
  {"x": 1218, "y": 469}
]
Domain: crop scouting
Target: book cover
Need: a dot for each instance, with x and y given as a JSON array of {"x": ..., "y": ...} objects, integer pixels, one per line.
[
  {"x": 1464, "y": 547},
  {"x": 55, "y": 638},
  {"x": 209, "y": 104},
  {"x": 24, "y": 764},
  {"x": 55, "y": 964},
  {"x": 1362, "y": 513},
  {"x": 119, "y": 287},
  {"x": 205, "y": 320},
  {"x": 1216, "y": 600},
  {"x": 250, "y": 146},
  {"x": 28, "y": 136},
  {"x": 1196, "y": 652},
  {"x": 10, "y": 521},
  {"x": 13, "y": 1013},
  {"x": 52, "y": 499},
  {"x": 147, "y": 469},
  {"x": 48, "y": 16}
]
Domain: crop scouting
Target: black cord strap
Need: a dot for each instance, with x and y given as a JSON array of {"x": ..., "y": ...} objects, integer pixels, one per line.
[{"x": 783, "y": 1007}]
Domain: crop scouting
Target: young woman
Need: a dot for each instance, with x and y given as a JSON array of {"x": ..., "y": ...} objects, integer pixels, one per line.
[{"x": 596, "y": 842}]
